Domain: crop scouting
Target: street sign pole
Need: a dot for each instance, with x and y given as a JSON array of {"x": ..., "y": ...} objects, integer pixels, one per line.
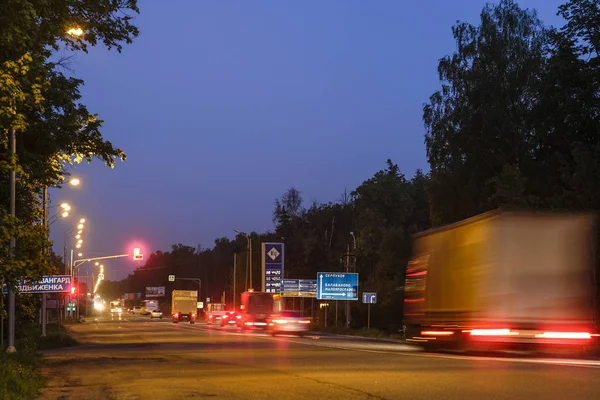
[
  {"x": 369, "y": 298},
  {"x": 336, "y": 312}
]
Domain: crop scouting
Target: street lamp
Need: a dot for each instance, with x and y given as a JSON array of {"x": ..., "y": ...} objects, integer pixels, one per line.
[
  {"x": 75, "y": 32},
  {"x": 80, "y": 227},
  {"x": 354, "y": 241},
  {"x": 249, "y": 267},
  {"x": 66, "y": 207}
]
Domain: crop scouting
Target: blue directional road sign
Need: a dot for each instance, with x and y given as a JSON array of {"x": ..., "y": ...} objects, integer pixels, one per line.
[
  {"x": 369, "y": 298},
  {"x": 48, "y": 284},
  {"x": 299, "y": 288},
  {"x": 272, "y": 267},
  {"x": 337, "y": 286}
]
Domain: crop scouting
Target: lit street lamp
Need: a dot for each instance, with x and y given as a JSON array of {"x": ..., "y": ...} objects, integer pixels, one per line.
[
  {"x": 80, "y": 227},
  {"x": 66, "y": 207},
  {"x": 76, "y": 32}
]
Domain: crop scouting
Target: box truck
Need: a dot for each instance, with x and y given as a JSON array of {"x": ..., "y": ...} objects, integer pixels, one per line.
[
  {"x": 184, "y": 305},
  {"x": 503, "y": 279}
]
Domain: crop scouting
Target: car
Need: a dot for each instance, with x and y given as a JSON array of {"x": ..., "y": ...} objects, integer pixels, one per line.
[
  {"x": 230, "y": 318},
  {"x": 156, "y": 314},
  {"x": 136, "y": 310},
  {"x": 288, "y": 321}
]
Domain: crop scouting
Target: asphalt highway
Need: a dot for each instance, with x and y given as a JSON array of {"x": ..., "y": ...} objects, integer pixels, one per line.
[{"x": 133, "y": 357}]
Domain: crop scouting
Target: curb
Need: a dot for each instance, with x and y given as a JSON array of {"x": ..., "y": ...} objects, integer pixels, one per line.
[{"x": 359, "y": 337}]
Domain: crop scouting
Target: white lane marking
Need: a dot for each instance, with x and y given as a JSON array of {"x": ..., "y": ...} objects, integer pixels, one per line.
[{"x": 408, "y": 350}]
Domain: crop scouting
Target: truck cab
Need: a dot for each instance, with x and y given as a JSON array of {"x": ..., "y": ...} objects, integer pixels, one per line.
[{"x": 255, "y": 309}]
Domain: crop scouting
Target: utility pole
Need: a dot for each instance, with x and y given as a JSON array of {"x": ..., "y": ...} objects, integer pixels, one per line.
[
  {"x": 234, "y": 277},
  {"x": 250, "y": 259},
  {"x": 347, "y": 302},
  {"x": 13, "y": 195}
]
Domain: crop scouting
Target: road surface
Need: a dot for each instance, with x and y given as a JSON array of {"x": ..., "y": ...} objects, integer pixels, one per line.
[{"x": 132, "y": 357}]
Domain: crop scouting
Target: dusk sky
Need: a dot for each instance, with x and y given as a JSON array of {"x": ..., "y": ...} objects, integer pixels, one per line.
[{"x": 221, "y": 106}]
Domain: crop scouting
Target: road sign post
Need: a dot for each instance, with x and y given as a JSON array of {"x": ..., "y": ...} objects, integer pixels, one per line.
[
  {"x": 171, "y": 278},
  {"x": 369, "y": 298}
]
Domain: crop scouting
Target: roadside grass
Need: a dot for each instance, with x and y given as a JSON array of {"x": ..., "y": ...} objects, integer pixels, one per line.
[
  {"x": 361, "y": 332},
  {"x": 20, "y": 377}
]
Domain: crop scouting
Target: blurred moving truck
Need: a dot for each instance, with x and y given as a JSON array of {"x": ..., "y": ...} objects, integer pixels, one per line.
[
  {"x": 503, "y": 279},
  {"x": 184, "y": 305}
]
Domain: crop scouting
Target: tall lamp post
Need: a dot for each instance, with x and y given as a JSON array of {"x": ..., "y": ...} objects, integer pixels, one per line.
[
  {"x": 63, "y": 213},
  {"x": 12, "y": 151},
  {"x": 249, "y": 256},
  {"x": 80, "y": 225},
  {"x": 13, "y": 195}
]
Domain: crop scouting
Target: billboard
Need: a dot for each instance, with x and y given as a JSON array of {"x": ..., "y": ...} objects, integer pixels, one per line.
[
  {"x": 48, "y": 284},
  {"x": 155, "y": 291},
  {"x": 272, "y": 267}
]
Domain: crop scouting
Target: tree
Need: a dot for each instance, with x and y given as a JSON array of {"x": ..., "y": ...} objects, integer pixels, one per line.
[
  {"x": 288, "y": 206},
  {"x": 583, "y": 22},
  {"x": 42, "y": 105},
  {"x": 388, "y": 209},
  {"x": 478, "y": 123}
]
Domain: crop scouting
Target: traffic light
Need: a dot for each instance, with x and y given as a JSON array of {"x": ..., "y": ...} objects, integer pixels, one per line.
[
  {"x": 137, "y": 255},
  {"x": 72, "y": 289}
]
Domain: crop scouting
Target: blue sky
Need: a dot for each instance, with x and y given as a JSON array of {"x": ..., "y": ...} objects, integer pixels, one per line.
[{"x": 221, "y": 106}]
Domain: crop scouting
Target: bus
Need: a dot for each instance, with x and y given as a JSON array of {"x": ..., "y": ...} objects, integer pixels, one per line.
[{"x": 148, "y": 306}]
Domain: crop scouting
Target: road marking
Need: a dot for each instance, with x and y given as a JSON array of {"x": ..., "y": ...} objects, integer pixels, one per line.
[{"x": 405, "y": 350}]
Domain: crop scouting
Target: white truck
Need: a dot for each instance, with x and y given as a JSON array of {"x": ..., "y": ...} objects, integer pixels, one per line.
[
  {"x": 184, "y": 306},
  {"x": 504, "y": 279}
]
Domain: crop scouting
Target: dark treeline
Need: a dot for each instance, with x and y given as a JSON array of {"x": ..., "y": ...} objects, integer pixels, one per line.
[{"x": 515, "y": 124}]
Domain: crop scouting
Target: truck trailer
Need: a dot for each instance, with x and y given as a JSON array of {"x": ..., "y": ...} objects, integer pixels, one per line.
[{"x": 504, "y": 279}]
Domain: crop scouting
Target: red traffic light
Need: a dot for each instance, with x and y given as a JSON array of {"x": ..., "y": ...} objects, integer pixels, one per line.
[
  {"x": 137, "y": 255},
  {"x": 72, "y": 289}
]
